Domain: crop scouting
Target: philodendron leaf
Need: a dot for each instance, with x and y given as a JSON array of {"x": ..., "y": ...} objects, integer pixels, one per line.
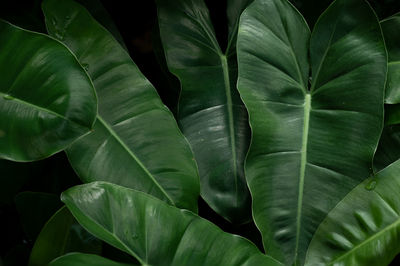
[
  {"x": 61, "y": 235},
  {"x": 390, "y": 29},
  {"x": 81, "y": 259},
  {"x": 46, "y": 98},
  {"x": 364, "y": 228},
  {"x": 312, "y": 143},
  {"x": 136, "y": 141},
  {"x": 154, "y": 232},
  {"x": 210, "y": 111}
]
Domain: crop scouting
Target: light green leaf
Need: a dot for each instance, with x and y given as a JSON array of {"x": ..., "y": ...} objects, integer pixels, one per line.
[
  {"x": 314, "y": 135},
  {"x": 46, "y": 99},
  {"x": 210, "y": 111},
  {"x": 154, "y": 232},
  {"x": 60, "y": 235},
  {"x": 136, "y": 141},
  {"x": 364, "y": 228},
  {"x": 80, "y": 259}
]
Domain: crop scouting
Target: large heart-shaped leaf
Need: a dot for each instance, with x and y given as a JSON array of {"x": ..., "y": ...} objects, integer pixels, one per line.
[
  {"x": 210, "y": 111},
  {"x": 364, "y": 228},
  {"x": 81, "y": 259},
  {"x": 136, "y": 141},
  {"x": 60, "y": 235},
  {"x": 46, "y": 98},
  {"x": 312, "y": 143},
  {"x": 154, "y": 232}
]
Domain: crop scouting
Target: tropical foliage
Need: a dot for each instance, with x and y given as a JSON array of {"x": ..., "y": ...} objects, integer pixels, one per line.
[{"x": 287, "y": 130}]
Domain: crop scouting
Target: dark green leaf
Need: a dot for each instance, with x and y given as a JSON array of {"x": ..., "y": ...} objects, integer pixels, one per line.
[
  {"x": 154, "y": 232},
  {"x": 97, "y": 10},
  {"x": 80, "y": 259},
  {"x": 311, "y": 143},
  {"x": 390, "y": 28},
  {"x": 210, "y": 112},
  {"x": 61, "y": 235},
  {"x": 364, "y": 228},
  {"x": 46, "y": 98},
  {"x": 136, "y": 141}
]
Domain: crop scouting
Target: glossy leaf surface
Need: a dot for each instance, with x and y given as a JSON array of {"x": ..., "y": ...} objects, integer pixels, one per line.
[
  {"x": 60, "y": 235},
  {"x": 364, "y": 228},
  {"x": 81, "y": 259},
  {"x": 46, "y": 98},
  {"x": 136, "y": 141},
  {"x": 210, "y": 111},
  {"x": 154, "y": 232},
  {"x": 390, "y": 28},
  {"x": 314, "y": 134}
]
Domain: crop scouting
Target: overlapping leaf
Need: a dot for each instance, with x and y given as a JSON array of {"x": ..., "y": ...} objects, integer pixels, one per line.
[
  {"x": 62, "y": 234},
  {"x": 46, "y": 99},
  {"x": 210, "y": 111},
  {"x": 81, "y": 259},
  {"x": 314, "y": 134},
  {"x": 364, "y": 228},
  {"x": 154, "y": 232},
  {"x": 136, "y": 141}
]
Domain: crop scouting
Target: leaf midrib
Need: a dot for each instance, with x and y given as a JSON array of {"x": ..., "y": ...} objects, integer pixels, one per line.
[
  {"x": 42, "y": 109},
  {"x": 227, "y": 86},
  {"x": 303, "y": 162},
  {"x": 229, "y": 106},
  {"x": 366, "y": 241},
  {"x": 130, "y": 152}
]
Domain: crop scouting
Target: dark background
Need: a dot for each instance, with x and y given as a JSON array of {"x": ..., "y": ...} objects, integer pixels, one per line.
[{"x": 137, "y": 23}]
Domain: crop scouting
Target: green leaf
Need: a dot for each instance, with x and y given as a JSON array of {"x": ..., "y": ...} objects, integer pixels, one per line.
[
  {"x": 46, "y": 98},
  {"x": 154, "y": 232},
  {"x": 390, "y": 29},
  {"x": 34, "y": 209},
  {"x": 311, "y": 143},
  {"x": 99, "y": 12},
  {"x": 80, "y": 259},
  {"x": 136, "y": 141},
  {"x": 364, "y": 228},
  {"x": 60, "y": 235},
  {"x": 210, "y": 111}
]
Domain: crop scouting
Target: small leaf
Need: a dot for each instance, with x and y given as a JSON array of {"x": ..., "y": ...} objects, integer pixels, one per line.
[
  {"x": 60, "y": 235},
  {"x": 80, "y": 259}
]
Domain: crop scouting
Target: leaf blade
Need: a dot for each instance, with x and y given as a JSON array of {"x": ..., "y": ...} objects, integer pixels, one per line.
[
  {"x": 82, "y": 259},
  {"x": 153, "y": 231},
  {"x": 61, "y": 106},
  {"x": 363, "y": 227},
  {"x": 210, "y": 112},
  {"x": 300, "y": 146},
  {"x": 125, "y": 147}
]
